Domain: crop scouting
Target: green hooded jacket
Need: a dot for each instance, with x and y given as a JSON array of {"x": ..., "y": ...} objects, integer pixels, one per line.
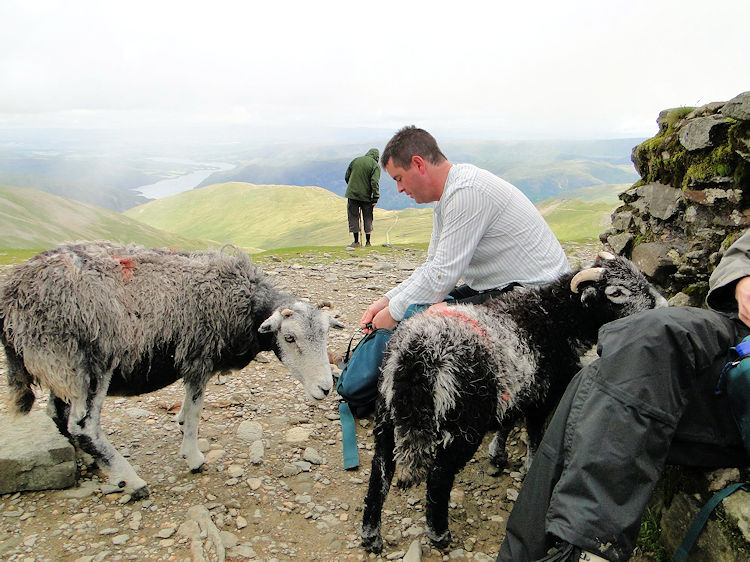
[{"x": 363, "y": 177}]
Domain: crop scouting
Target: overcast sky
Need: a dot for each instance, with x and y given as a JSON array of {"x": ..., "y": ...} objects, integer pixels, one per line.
[{"x": 555, "y": 69}]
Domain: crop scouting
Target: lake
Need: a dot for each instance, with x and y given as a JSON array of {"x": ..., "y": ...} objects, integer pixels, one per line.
[{"x": 173, "y": 186}]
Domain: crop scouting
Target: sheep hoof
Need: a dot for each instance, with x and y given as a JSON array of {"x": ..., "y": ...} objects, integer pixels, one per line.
[
  {"x": 373, "y": 544},
  {"x": 499, "y": 460},
  {"x": 140, "y": 493}
]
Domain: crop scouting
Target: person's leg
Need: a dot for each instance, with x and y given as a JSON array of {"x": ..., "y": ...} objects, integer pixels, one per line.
[
  {"x": 608, "y": 441},
  {"x": 352, "y": 215},
  {"x": 525, "y": 537},
  {"x": 367, "y": 213}
]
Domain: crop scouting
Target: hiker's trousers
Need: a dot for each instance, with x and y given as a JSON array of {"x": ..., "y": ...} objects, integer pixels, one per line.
[{"x": 646, "y": 401}]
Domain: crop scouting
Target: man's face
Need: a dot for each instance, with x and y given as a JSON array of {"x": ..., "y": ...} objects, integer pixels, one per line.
[{"x": 414, "y": 181}]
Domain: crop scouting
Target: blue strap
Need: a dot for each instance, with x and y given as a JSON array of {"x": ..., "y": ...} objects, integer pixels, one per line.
[
  {"x": 348, "y": 437},
  {"x": 700, "y": 520}
]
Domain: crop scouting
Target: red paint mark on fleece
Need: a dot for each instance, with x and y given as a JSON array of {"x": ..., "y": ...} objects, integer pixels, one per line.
[
  {"x": 453, "y": 313},
  {"x": 127, "y": 265}
]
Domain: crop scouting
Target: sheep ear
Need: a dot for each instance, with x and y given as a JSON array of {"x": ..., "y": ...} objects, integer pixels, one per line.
[
  {"x": 333, "y": 323},
  {"x": 271, "y": 324}
]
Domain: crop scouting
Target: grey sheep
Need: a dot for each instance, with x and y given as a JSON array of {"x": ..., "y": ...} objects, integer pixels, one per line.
[{"x": 91, "y": 319}]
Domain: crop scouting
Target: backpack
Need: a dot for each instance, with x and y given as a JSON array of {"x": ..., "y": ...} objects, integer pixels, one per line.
[
  {"x": 358, "y": 383},
  {"x": 735, "y": 381},
  {"x": 358, "y": 388}
]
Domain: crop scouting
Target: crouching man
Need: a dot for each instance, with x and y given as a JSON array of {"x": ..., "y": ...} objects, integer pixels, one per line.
[{"x": 649, "y": 399}]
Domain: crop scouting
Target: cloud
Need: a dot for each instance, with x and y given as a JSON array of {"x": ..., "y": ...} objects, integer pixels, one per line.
[{"x": 541, "y": 67}]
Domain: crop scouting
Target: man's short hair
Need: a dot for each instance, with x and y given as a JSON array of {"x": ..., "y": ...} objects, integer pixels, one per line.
[{"x": 411, "y": 141}]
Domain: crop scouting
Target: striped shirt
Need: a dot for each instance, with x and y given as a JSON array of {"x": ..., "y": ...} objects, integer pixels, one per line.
[{"x": 486, "y": 232}]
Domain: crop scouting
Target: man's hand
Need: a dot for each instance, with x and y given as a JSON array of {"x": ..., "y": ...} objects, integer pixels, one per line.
[
  {"x": 742, "y": 294},
  {"x": 377, "y": 315},
  {"x": 437, "y": 308},
  {"x": 383, "y": 319}
]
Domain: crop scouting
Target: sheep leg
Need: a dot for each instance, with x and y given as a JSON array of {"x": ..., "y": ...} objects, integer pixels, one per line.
[
  {"x": 381, "y": 475},
  {"x": 21, "y": 396},
  {"x": 535, "y": 421},
  {"x": 189, "y": 416},
  {"x": 497, "y": 451},
  {"x": 59, "y": 411},
  {"x": 84, "y": 416},
  {"x": 448, "y": 462}
]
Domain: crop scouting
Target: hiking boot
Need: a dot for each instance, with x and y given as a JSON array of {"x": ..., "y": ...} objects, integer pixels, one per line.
[
  {"x": 368, "y": 243},
  {"x": 354, "y": 245}
]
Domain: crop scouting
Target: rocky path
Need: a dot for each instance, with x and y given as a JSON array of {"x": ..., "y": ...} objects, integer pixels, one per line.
[{"x": 273, "y": 487}]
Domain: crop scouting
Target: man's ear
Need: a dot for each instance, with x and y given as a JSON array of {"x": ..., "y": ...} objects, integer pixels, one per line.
[{"x": 419, "y": 163}]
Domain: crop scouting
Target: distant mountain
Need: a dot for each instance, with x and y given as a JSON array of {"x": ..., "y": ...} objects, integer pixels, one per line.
[
  {"x": 103, "y": 169},
  {"x": 32, "y": 219}
]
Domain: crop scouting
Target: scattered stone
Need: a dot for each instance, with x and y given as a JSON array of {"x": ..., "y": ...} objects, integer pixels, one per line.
[
  {"x": 33, "y": 454},
  {"x": 250, "y": 431},
  {"x": 414, "y": 554},
  {"x": 120, "y": 539},
  {"x": 166, "y": 532},
  {"x": 137, "y": 414},
  {"x": 311, "y": 455},
  {"x": 298, "y": 435},
  {"x": 257, "y": 450},
  {"x": 213, "y": 455},
  {"x": 291, "y": 470}
]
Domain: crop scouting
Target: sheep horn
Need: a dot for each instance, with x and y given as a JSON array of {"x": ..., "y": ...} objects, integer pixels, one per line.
[
  {"x": 286, "y": 312},
  {"x": 590, "y": 274},
  {"x": 325, "y": 304},
  {"x": 605, "y": 255}
]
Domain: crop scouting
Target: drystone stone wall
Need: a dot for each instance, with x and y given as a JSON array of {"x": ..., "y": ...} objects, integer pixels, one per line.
[
  {"x": 675, "y": 223},
  {"x": 693, "y": 198}
]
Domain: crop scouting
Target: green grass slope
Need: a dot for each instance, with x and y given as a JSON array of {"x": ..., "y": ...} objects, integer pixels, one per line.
[
  {"x": 254, "y": 217},
  {"x": 583, "y": 213},
  {"x": 264, "y": 217},
  {"x": 36, "y": 220},
  {"x": 268, "y": 217}
]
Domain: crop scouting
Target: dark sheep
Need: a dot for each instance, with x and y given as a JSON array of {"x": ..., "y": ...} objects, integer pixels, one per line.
[
  {"x": 451, "y": 376},
  {"x": 91, "y": 319}
]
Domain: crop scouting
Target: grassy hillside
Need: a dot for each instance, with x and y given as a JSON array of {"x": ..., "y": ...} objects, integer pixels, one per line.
[
  {"x": 262, "y": 217},
  {"x": 34, "y": 220}
]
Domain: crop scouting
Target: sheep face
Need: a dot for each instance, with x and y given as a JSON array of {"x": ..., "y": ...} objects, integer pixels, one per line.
[
  {"x": 619, "y": 282},
  {"x": 300, "y": 333}
]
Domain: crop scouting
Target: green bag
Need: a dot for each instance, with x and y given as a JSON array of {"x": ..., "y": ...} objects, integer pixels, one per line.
[{"x": 735, "y": 381}]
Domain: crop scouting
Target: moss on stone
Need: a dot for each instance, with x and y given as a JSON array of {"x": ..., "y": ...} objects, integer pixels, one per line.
[
  {"x": 709, "y": 163},
  {"x": 733, "y": 535}
]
